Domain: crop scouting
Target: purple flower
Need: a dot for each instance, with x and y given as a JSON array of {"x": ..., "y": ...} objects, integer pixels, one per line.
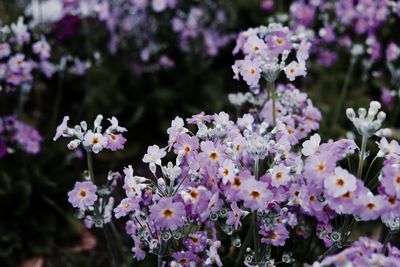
[
  {"x": 318, "y": 167},
  {"x": 212, "y": 153},
  {"x": 127, "y": 205},
  {"x": 42, "y": 49},
  {"x": 254, "y": 195},
  {"x": 279, "y": 42},
  {"x": 392, "y": 51},
  {"x": 387, "y": 97},
  {"x": 83, "y": 195},
  {"x": 3, "y": 148},
  {"x": 4, "y": 50},
  {"x": 372, "y": 206},
  {"x": 196, "y": 241},
  {"x": 185, "y": 144},
  {"x": 275, "y": 235},
  {"x": 234, "y": 216},
  {"x": 167, "y": 214},
  {"x": 186, "y": 259},
  {"x": 115, "y": 142}
]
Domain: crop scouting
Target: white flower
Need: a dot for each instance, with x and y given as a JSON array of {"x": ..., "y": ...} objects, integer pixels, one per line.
[
  {"x": 154, "y": 155},
  {"x": 95, "y": 141},
  {"x": 74, "y": 144},
  {"x": 114, "y": 126},
  {"x": 227, "y": 171},
  {"x": 159, "y": 5},
  {"x": 295, "y": 69},
  {"x": 63, "y": 129},
  {"x": 279, "y": 176},
  {"x": 46, "y": 11},
  {"x": 311, "y": 146}
]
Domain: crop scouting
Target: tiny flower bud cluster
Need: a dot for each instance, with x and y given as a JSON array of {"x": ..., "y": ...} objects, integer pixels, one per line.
[
  {"x": 367, "y": 123},
  {"x": 93, "y": 140}
]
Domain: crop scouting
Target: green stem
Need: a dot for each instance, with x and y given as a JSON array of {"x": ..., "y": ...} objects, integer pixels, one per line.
[
  {"x": 272, "y": 92},
  {"x": 343, "y": 92},
  {"x": 90, "y": 165},
  {"x": 362, "y": 156},
  {"x": 159, "y": 255},
  {"x": 110, "y": 249},
  {"x": 370, "y": 166},
  {"x": 255, "y": 236},
  {"x": 254, "y": 218},
  {"x": 386, "y": 241},
  {"x": 332, "y": 249}
]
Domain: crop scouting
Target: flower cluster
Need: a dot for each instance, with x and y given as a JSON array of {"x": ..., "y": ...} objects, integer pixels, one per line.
[
  {"x": 94, "y": 203},
  {"x": 20, "y": 55},
  {"x": 363, "y": 252},
  {"x": 212, "y": 184},
  {"x": 93, "y": 140},
  {"x": 266, "y": 50},
  {"x": 17, "y": 134},
  {"x": 142, "y": 24},
  {"x": 337, "y": 21}
]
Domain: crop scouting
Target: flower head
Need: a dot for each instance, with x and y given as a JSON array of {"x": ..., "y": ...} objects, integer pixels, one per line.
[{"x": 83, "y": 195}]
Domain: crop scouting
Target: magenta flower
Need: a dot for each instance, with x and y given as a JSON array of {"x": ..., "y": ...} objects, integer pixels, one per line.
[
  {"x": 167, "y": 214},
  {"x": 83, "y": 195}
]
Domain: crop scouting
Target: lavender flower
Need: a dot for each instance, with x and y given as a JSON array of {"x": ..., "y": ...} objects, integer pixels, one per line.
[{"x": 83, "y": 195}]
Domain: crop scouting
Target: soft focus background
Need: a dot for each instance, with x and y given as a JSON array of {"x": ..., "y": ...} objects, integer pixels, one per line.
[{"x": 146, "y": 66}]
